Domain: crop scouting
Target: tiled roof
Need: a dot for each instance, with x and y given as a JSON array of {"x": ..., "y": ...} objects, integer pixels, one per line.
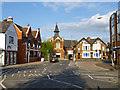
[
  {"x": 24, "y": 29},
  {"x": 69, "y": 43},
  {"x": 21, "y": 29},
  {"x": 4, "y": 26},
  {"x": 34, "y": 33}
]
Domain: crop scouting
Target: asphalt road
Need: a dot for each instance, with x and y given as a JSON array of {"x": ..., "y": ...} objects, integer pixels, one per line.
[{"x": 63, "y": 74}]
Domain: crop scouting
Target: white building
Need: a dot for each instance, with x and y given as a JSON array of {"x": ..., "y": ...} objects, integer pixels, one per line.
[{"x": 8, "y": 42}]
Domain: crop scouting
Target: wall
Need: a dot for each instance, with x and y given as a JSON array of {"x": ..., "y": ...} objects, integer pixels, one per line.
[
  {"x": 11, "y": 32},
  {"x": 2, "y": 41}
]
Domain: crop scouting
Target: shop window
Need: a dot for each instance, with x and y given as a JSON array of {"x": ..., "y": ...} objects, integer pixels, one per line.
[
  {"x": 14, "y": 61},
  {"x": 11, "y": 58},
  {"x": 31, "y": 53},
  {"x": 7, "y": 58}
]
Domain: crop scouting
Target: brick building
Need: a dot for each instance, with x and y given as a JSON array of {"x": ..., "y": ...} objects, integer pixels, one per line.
[
  {"x": 58, "y": 43},
  {"x": 115, "y": 36},
  {"x": 93, "y": 48},
  {"x": 29, "y": 44}
]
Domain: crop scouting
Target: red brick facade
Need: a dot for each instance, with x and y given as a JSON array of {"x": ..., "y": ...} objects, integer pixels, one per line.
[{"x": 29, "y": 44}]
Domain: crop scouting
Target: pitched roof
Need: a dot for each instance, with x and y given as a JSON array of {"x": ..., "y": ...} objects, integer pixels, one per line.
[
  {"x": 69, "y": 43},
  {"x": 4, "y": 26},
  {"x": 56, "y": 28},
  {"x": 90, "y": 41},
  {"x": 21, "y": 29},
  {"x": 24, "y": 29},
  {"x": 34, "y": 33}
]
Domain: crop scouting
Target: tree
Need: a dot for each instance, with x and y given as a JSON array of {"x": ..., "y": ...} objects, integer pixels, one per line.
[{"x": 47, "y": 46}]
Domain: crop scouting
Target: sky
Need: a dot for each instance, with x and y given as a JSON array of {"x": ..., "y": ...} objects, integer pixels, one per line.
[{"x": 75, "y": 19}]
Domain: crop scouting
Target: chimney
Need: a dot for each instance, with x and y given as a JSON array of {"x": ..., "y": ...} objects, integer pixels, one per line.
[
  {"x": 39, "y": 29},
  {"x": 28, "y": 25},
  {"x": 10, "y": 19},
  {"x": 88, "y": 38},
  {"x": 5, "y": 20}
]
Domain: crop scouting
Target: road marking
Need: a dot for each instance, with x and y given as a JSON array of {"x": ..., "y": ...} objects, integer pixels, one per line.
[
  {"x": 18, "y": 71},
  {"x": 19, "y": 75},
  {"x": 24, "y": 71},
  {"x": 61, "y": 64},
  {"x": 2, "y": 81},
  {"x": 67, "y": 83},
  {"x": 44, "y": 71},
  {"x": 12, "y": 75},
  {"x": 102, "y": 77},
  {"x": 90, "y": 76},
  {"x": 30, "y": 71},
  {"x": 35, "y": 74},
  {"x": 24, "y": 75},
  {"x": 31, "y": 74},
  {"x": 48, "y": 76},
  {"x": 40, "y": 75},
  {"x": 35, "y": 71}
]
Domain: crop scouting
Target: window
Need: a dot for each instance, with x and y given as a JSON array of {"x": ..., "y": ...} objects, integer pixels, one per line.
[
  {"x": 78, "y": 48},
  {"x": 35, "y": 53},
  {"x": 83, "y": 42},
  {"x": 11, "y": 40},
  {"x": 103, "y": 48},
  {"x": 14, "y": 61},
  {"x": 31, "y": 53},
  {"x": 11, "y": 57},
  {"x": 98, "y": 42},
  {"x": 85, "y": 47},
  {"x": 58, "y": 45},
  {"x": 7, "y": 57}
]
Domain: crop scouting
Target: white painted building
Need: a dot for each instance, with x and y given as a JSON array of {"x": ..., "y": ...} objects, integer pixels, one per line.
[{"x": 8, "y": 43}]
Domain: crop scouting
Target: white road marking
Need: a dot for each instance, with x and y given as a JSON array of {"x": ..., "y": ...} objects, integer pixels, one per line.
[
  {"x": 24, "y": 71},
  {"x": 24, "y": 75},
  {"x": 67, "y": 83},
  {"x": 12, "y": 75},
  {"x": 30, "y": 71},
  {"x": 103, "y": 77},
  {"x": 35, "y": 71},
  {"x": 61, "y": 64},
  {"x": 44, "y": 71},
  {"x": 90, "y": 76},
  {"x": 19, "y": 75},
  {"x": 2, "y": 82},
  {"x": 39, "y": 74},
  {"x": 18, "y": 71},
  {"x": 35, "y": 74},
  {"x": 31, "y": 74},
  {"x": 48, "y": 76}
]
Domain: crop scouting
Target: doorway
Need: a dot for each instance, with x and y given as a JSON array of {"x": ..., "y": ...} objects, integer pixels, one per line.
[
  {"x": 27, "y": 61},
  {"x": 78, "y": 55}
]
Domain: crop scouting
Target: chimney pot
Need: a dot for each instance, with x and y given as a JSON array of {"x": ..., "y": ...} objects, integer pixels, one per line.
[
  {"x": 5, "y": 20},
  {"x": 10, "y": 18}
]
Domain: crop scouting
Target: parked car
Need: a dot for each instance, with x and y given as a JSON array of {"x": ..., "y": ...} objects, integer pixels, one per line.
[{"x": 53, "y": 59}]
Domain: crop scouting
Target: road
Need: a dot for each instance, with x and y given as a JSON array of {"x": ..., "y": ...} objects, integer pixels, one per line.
[{"x": 63, "y": 74}]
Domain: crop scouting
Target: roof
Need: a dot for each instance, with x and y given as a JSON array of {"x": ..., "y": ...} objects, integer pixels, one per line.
[
  {"x": 4, "y": 26},
  {"x": 56, "y": 28},
  {"x": 34, "y": 33},
  {"x": 69, "y": 43},
  {"x": 91, "y": 41},
  {"x": 21, "y": 29},
  {"x": 24, "y": 29}
]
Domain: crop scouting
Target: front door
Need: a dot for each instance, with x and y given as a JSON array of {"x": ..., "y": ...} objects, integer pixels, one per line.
[
  {"x": 78, "y": 55},
  {"x": 27, "y": 61}
]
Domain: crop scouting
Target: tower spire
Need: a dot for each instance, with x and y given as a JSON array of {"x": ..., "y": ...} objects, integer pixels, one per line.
[{"x": 56, "y": 31}]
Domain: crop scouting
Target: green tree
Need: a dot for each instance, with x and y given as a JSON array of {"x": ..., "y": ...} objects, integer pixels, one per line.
[{"x": 47, "y": 46}]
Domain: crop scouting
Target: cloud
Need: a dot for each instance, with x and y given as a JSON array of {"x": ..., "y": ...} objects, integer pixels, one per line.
[
  {"x": 92, "y": 27},
  {"x": 68, "y": 6},
  {"x": 51, "y": 5}
]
